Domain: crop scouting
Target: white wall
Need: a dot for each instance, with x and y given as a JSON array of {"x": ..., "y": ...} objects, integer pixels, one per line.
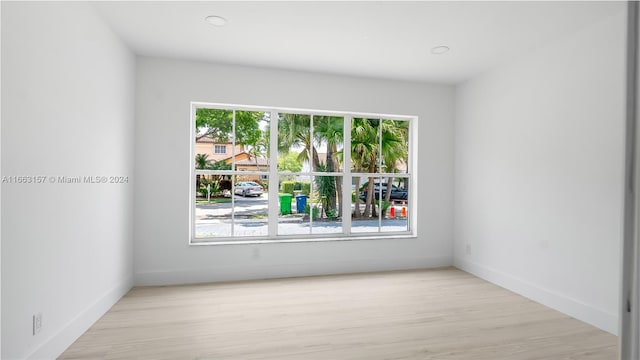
[
  {"x": 539, "y": 171},
  {"x": 0, "y": 191},
  {"x": 164, "y": 90},
  {"x": 67, "y": 95}
]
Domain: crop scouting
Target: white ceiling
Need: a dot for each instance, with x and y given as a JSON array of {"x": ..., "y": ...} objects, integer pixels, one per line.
[{"x": 374, "y": 39}]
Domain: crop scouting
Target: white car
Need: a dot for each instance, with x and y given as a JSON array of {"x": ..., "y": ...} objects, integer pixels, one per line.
[{"x": 248, "y": 188}]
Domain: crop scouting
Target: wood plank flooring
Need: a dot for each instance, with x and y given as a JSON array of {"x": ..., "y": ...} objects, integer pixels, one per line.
[{"x": 428, "y": 314}]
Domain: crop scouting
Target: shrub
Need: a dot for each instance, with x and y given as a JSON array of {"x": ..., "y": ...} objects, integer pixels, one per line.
[
  {"x": 214, "y": 188},
  {"x": 202, "y": 190},
  {"x": 315, "y": 211},
  {"x": 305, "y": 186},
  {"x": 384, "y": 206},
  {"x": 287, "y": 187}
]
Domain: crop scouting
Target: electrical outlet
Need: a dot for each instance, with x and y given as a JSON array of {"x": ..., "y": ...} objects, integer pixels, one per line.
[
  {"x": 37, "y": 323},
  {"x": 467, "y": 249}
]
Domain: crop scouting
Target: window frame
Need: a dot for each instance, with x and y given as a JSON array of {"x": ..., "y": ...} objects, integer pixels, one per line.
[{"x": 347, "y": 175}]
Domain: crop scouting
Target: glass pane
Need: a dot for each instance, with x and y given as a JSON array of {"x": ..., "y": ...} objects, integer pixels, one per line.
[
  {"x": 395, "y": 146},
  {"x": 214, "y": 139},
  {"x": 365, "y": 216},
  {"x": 294, "y": 207},
  {"x": 294, "y": 142},
  {"x": 251, "y": 206},
  {"x": 328, "y": 143},
  {"x": 395, "y": 205},
  {"x": 365, "y": 145},
  {"x": 325, "y": 204},
  {"x": 213, "y": 206},
  {"x": 252, "y": 141}
]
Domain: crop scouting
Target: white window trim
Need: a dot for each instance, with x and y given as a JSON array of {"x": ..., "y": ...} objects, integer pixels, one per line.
[{"x": 273, "y": 237}]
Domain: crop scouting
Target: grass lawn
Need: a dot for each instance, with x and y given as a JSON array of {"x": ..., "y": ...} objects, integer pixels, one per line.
[{"x": 214, "y": 200}]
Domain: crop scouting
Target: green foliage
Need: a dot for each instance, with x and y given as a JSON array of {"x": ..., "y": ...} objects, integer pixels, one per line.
[
  {"x": 203, "y": 162},
  {"x": 287, "y": 187},
  {"x": 384, "y": 205},
  {"x": 375, "y": 141},
  {"x": 294, "y": 131},
  {"x": 220, "y": 165},
  {"x": 332, "y": 214},
  {"x": 213, "y": 200},
  {"x": 305, "y": 186},
  {"x": 202, "y": 190},
  {"x": 326, "y": 187},
  {"x": 214, "y": 188},
  {"x": 315, "y": 211},
  {"x": 289, "y": 162},
  {"x": 218, "y": 124}
]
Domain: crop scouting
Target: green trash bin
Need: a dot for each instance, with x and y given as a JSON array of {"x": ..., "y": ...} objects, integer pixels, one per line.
[{"x": 285, "y": 204}]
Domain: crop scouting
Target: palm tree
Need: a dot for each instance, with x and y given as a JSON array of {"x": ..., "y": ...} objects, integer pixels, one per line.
[
  {"x": 367, "y": 151},
  {"x": 260, "y": 148},
  {"x": 364, "y": 149},
  {"x": 202, "y": 163},
  {"x": 395, "y": 139},
  {"x": 294, "y": 130},
  {"x": 326, "y": 188},
  {"x": 329, "y": 131}
]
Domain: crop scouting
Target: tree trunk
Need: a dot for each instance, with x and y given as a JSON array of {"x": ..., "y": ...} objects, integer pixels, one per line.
[
  {"x": 356, "y": 212},
  {"x": 370, "y": 206},
  {"x": 311, "y": 150},
  {"x": 331, "y": 168}
]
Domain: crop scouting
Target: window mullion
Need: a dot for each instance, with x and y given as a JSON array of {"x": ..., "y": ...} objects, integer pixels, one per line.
[
  {"x": 273, "y": 175},
  {"x": 346, "y": 178},
  {"x": 234, "y": 177},
  {"x": 379, "y": 205},
  {"x": 311, "y": 170}
]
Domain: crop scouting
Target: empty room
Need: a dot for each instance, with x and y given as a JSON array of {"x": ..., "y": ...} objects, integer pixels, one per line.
[{"x": 318, "y": 180}]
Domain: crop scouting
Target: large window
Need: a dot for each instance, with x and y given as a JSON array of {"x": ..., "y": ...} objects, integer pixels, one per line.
[{"x": 301, "y": 175}]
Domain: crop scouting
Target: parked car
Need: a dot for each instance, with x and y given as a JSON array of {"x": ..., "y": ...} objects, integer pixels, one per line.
[
  {"x": 397, "y": 194},
  {"x": 248, "y": 188}
]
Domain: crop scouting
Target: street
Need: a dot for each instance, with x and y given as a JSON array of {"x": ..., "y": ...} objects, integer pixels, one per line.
[{"x": 251, "y": 219}]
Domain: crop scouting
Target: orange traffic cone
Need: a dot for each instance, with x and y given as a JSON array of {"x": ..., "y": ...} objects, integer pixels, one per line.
[{"x": 404, "y": 210}]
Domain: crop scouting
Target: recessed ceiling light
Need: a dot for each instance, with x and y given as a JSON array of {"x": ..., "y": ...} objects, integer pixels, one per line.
[
  {"x": 216, "y": 20},
  {"x": 439, "y": 50}
]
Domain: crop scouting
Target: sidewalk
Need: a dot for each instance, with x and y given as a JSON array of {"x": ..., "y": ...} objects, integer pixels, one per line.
[{"x": 292, "y": 225}]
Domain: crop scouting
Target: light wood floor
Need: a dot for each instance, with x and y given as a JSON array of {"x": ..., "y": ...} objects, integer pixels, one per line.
[{"x": 429, "y": 314}]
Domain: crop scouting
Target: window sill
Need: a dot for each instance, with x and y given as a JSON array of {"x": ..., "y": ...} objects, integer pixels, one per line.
[{"x": 293, "y": 239}]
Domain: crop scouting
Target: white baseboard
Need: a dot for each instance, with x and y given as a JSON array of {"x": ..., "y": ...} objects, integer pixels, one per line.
[
  {"x": 55, "y": 345},
  {"x": 254, "y": 272},
  {"x": 572, "y": 307}
]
